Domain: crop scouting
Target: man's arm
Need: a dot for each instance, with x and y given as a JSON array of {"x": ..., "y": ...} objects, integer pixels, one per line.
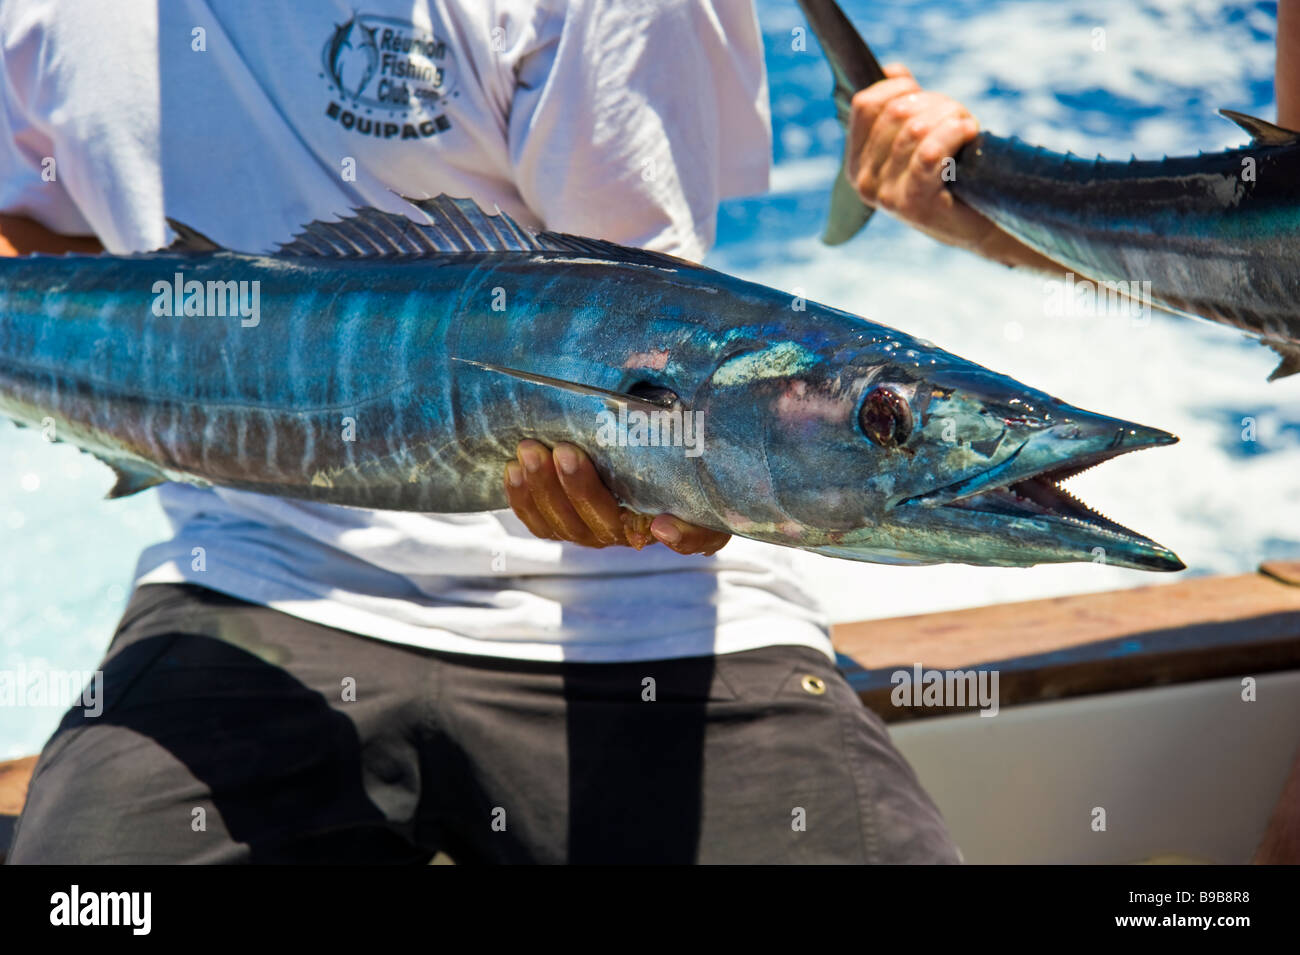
[{"x": 22, "y": 236}]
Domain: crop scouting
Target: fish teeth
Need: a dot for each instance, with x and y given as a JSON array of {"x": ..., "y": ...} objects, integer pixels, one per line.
[{"x": 1056, "y": 484}]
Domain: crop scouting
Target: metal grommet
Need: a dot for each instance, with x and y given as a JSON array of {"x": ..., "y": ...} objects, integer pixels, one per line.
[{"x": 813, "y": 684}]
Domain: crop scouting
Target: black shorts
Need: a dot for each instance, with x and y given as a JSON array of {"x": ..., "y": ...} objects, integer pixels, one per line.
[{"x": 231, "y": 732}]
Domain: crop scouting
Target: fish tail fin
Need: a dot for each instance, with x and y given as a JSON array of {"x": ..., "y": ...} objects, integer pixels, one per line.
[{"x": 854, "y": 68}]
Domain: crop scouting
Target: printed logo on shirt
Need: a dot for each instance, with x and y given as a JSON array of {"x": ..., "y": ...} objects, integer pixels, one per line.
[{"x": 390, "y": 78}]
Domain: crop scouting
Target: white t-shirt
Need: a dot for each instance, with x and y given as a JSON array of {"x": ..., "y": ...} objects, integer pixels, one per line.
[{"x": 620, "y": 119}]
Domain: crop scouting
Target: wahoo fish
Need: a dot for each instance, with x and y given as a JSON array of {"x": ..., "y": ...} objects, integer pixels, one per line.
[
  {"x": 382, "y": 362},
  {"x": 1216, "y": 236}
]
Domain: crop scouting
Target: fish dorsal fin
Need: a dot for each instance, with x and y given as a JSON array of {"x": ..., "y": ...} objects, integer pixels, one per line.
[
  {"x": 467, "y": 218},
  {"x": 611, "y": 398},
  {"x": 454, "y": 226},
  {"x": 467, "y": 228},
  {"x": 1262, "y": 132},
  {"x": 190, "y": 240}
]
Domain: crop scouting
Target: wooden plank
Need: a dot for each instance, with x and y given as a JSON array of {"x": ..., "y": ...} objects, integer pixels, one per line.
[
  {"x": 1197, "y": 629},
  {"x": 1217, "y": 607}
]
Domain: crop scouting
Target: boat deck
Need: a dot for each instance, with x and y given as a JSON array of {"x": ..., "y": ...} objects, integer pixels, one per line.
[{"x": 1197, "y": 629}]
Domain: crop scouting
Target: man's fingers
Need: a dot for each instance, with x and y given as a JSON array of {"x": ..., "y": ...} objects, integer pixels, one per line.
[
  {"x": 948, "y": 137},
  {"x": 558, "y": 495},
  {"x": 636, "y": 528},
  {"x": 588, "y": 495},
  {"x": 924, "y": 180},
  {"x": 911, "y": 177},
  {"x": 686, "y": 538},
  {"x": 548, "y": 494},
  {"x": 900, "y": 127},
  {"x": 521, "y": 502},
  {"x": 866, "y": 109},
  {"x": 894, "y": 70},
  {"x": 913, "y": 118}
]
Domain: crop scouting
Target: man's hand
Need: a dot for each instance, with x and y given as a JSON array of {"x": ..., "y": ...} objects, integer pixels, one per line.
[
  {"x": 899, "y": 138},
  {"x": 559, "y": 496}
]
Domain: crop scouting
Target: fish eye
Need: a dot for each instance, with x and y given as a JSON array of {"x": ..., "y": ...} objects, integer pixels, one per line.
[{"x": 886, "y": 417}]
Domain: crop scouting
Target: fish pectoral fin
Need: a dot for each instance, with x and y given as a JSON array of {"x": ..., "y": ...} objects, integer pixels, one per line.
[
  {"x": 848, "y": 213},
  {"x": 652, "y": 399},
  {"x": 1262, "y": 132},
  {"x": 131, "y": 478},
  {"x": 1290, "y": 363},
  {"x": 190, "y": 240}
]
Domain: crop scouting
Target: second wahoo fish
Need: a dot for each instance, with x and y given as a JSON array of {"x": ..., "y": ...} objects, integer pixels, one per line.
[{"x": 1216, "y": 236}]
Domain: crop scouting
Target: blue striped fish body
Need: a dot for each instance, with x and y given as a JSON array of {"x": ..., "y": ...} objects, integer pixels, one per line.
[
  {"x": 380, "y": 362},
  {"x": 344, "y": 390}
]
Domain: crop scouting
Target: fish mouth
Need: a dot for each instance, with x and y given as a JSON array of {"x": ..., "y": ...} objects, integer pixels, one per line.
[{"x": 1024, "y": 492}]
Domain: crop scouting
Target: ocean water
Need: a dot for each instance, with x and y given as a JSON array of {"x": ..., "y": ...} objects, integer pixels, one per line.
[{"x": 1024, "y": 67}]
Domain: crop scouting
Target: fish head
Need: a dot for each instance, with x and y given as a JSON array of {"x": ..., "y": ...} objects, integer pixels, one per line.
[{"x": 885, "y": 448}]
